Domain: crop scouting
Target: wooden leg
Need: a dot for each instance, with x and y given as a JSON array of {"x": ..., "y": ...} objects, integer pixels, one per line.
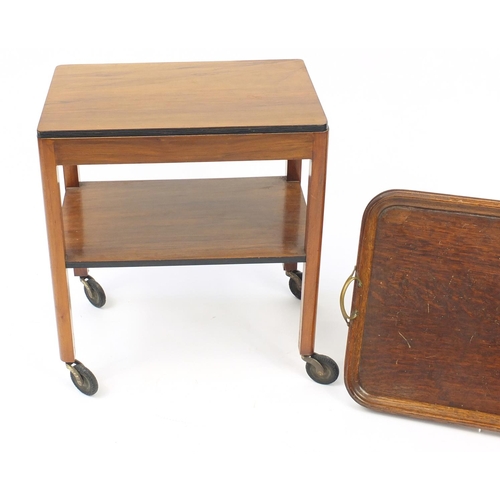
[
  {"x": 81, "y": 272},
  {"x": 293, "y": 174},
  {"x": 71, "y": 179},
  {"x": 55, "y": 233},
  {"x": 314, "y": 233},
  {"x": 294, "y": 170}
]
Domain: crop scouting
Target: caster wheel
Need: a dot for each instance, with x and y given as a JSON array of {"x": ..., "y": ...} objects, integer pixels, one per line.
[
  {"x": 295, "y": 283},
  {"x": 83, "y": 378},
  {"x": 93, "y": 291},
  {"x": 321, "y": 369}
]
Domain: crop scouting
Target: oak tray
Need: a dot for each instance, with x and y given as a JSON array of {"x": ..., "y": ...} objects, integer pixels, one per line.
[{"x": 424, "y": 326}]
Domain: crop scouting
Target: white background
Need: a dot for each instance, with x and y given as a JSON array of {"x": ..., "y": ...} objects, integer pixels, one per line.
[{"x": 202, "y": 391}]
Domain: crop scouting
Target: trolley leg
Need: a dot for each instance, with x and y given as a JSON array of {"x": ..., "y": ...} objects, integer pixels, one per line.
[
  {"x": 294, "y": 170},
  {"x": 314, "y": 228},
  {"x": 290, "y": 266},
  {"x": 72, "y": 179},
  {"x": 81, "y": 272},
  {"x": 293, "y": 174},
  {"x": 55, "y": 233},
  {"x": 320, "y": 368}
]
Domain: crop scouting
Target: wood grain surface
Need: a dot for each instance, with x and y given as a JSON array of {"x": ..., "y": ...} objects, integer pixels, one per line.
[
  {"x": 426, "y": 341},
  {"x": 181, "y": 98},
  {"x": 207, "y": 221},
  {"x": 183, "y": 148}
]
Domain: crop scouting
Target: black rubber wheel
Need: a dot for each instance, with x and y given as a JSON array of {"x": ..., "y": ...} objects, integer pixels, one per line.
[
  {"x": 89, "y": 383},
  {"x": 94, "y": 291},
  {"x": 330, "y": 371},
  {"x": 296, "y": 288}
]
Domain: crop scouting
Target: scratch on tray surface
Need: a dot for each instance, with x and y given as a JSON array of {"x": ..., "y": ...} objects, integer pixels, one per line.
[{"x": 406, "y": 340}]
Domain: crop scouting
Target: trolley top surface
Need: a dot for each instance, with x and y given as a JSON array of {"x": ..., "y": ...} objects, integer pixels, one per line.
[{"x": 230, "y": 97}]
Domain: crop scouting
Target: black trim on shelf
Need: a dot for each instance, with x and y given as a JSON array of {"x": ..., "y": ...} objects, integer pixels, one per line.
[
  {"x": 279, "y": 129},
  {"x": 187, "y": 262}
]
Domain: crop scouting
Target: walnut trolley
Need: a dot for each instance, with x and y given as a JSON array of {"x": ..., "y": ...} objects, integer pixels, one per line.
[{"x": 173, "y": 113}]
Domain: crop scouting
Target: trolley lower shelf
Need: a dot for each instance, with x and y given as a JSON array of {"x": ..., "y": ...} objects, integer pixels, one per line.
[{"x": 176, "y": 222}]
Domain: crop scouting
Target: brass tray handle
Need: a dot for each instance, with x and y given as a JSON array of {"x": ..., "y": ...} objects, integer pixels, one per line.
[{"x": 349, "y": 280}]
